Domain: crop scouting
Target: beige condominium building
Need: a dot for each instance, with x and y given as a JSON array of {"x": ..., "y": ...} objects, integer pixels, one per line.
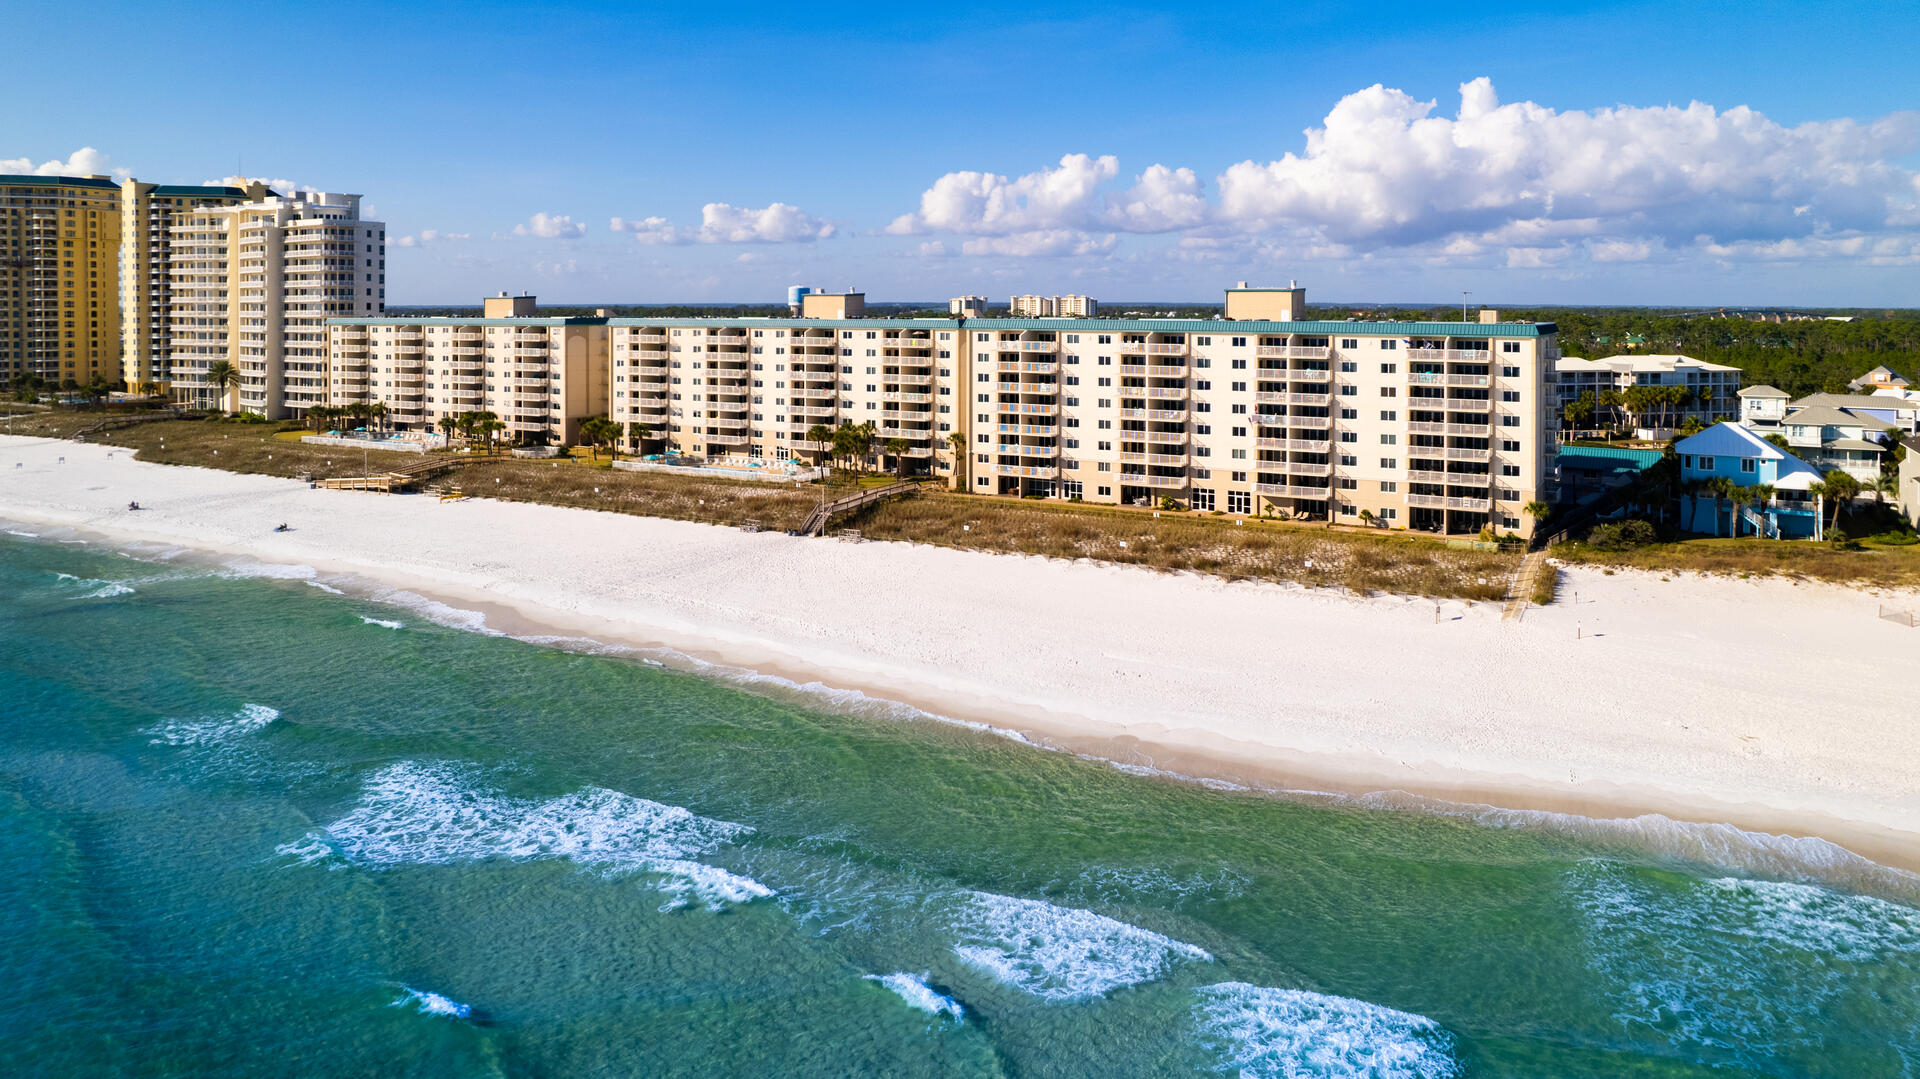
[
  {"x": 1442, "y": 426},
  {"x": 254, "y": 284},
  {"x": 539, "y": 376},
  {"x": 59, "y": 280},
  {"x": 148, "y": 213},
  {"x": 1053, "y": 307}
]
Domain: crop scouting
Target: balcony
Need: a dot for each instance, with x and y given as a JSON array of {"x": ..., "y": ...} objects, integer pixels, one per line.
[
  {"x": 909, "y": 380},
  {"x": 1142, "y": 479},
  {"x": 1156, "y": 393},
  {"x": 1292, "y": 352},
  {"x": 1163, "y": 415},
  {"x": 1309, "y": 423},
  {"x": 1133, "y": 348},
  {"x": 908, "y": 342},
  {"x": 908, "y": 398},
  {"x": 1151, "y": 371},
  {"x": 1030, "y": 471},
  {"x": 1466, "y": 453},
  {"x": 1043, "y": 430},
  {"x": 1158, "y": 438},
  {"x": 1310, "y": 468},
  {"x": 725, "y": 439},
  {"x": 1038, "y": 346},
  {"x": 1469, "y": 404},
  {"x": 1027, "y": 367},
  {"x": 1166, "y": 349},
  {"x": 1176, "y": 460},
  {"x": 1455, "y": 354},
  {"x": 1048, "y": 452},
  {"x": 1285, "y": 490},
  {"x": 1029, "y": 410},
  {"x": 1305, "y": 445}
]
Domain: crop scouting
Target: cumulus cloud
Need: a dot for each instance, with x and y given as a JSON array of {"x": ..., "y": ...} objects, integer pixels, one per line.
[
  {"x": 552, "y": 227},
  {"x": 1515, "y": 184},
  {"x": 86, "y": 161},
  {"x": 427, "y": 237},
  {"x": 722, "y": 223},
  {"x": 278, "y": 184}
]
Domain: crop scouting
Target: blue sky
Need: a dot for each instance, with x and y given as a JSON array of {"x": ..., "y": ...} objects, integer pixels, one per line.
[{"x": 1532, "y": 153}]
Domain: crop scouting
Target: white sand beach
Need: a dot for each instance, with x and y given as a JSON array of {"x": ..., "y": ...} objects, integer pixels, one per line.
[{"x": 1778, "y": 707}]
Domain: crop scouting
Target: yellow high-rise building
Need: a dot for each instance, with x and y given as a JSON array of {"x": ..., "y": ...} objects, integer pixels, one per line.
[
  {"x": 59, "y": 279},
  {"x": 147, "y": 215}
]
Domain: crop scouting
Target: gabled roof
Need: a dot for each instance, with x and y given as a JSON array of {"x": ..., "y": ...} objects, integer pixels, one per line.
[
  {"x": 1763, "y": 391},
  {"x": 1827, "y": 416},
  {"x": 1725, "y": 439},
  {"x": 1852, "y": 401}
]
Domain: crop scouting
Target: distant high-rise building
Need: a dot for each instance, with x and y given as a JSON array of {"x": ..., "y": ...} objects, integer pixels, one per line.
[
  {"x": 967, "y": 306},
  {"x": 59, "y": 278},
  {"x": 147, "y": 215},
  {"x": 253, "y": 284},
  {"x": 1069, "y": 306}
]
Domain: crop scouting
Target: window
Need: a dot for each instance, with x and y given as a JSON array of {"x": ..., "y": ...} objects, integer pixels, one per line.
[
  {"x": 1746, "y": 464},
  {"x": 1239, "y": 365},
  {"x": 1202, "y": 361},
  {"x": 1349, "y": 436},
  {"x": 1509, "y": 371},
  {"x": 1509, "y": 346},
  {"x": 1509, "y": 470},
  {"x": 1347, "y": 511},
  {"x": 1349, "y": 413},
  {"x": 1388, "y": 514},
  {"x": 1239, "y": 432},
  {"x": 1510, "y": 395},
  {"x": 1349, "y": 391},
  {"x": 1389, "y": 391},
  {"x": 1509, "y": 421},
  {"x": 1348, "y": 483},
  {"x": 1348, "y": 367},
  {"x": 1388, "y": 462},
  {"x": 1239, "y": 501},
  {"x": 1202, "y": 451},
  {"x": 1389, "y": 346},
  {"x": 1706, "y": 462},
  {"x": 1389, "y": 368},
  {"x": 1203, "y": 384},
  {"x": 1348, "y": 460},
  {"x": 1508, "y": 445},
  {"x": 1202, "y": 498},
  {"x": 1389, "y": 440},
  {"x": 1389, "y": 416},
  {"x": 1391, "y": 487}
]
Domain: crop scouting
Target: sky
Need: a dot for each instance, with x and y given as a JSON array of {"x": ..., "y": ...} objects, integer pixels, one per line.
[{"x": 1673, "y": 153}]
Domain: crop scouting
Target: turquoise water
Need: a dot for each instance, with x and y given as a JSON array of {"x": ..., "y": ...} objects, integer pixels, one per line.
[{"x": 249, "y": 826}]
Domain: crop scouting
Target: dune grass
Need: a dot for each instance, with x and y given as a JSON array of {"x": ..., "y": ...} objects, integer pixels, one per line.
[{"x": 1360, "y": 562}]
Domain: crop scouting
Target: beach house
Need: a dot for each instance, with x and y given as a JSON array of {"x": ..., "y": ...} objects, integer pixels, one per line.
[{"x": 1736, "y": 483}]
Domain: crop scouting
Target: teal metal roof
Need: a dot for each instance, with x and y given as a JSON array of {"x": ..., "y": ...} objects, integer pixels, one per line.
[
  {"x": 57, "y": 181},
  {"x": 1057, "y": 325},
  {"x": 1593, "y": 456},
  {"x": 458, "y": 321},
  {"x": 1250, "y": 326}
]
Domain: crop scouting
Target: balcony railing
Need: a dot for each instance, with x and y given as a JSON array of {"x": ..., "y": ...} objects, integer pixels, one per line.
[
  {"x": 1147, "y": 479},
  {"x": 1030, "y": 471}
]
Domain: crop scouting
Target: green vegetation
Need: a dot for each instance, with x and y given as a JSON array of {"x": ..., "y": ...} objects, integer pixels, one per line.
[{"x": 1259, "y": 550}]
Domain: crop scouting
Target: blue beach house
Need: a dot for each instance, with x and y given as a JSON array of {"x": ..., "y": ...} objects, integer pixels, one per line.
[{"x": 1735, "y": 483}]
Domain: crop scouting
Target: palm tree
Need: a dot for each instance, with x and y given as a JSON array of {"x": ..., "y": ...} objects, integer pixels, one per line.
[
  {"x": 822, "y": 438},
  {"x": 225, "y": 378},
  {"x": 848, "y": 442},
  {"x": 1537, "y": 510},
  {"x": 377, "y": 412},
  {"x": 149, "y": 388},
  {"x": 898, "y": 448},
  {"x": 599, "y": 429},
  {"x": 448, "y": 424},
  {"x": 1838, "y": 488},
  {"x": 639, "y": 432},
  {"x": 959, "y": 443}
]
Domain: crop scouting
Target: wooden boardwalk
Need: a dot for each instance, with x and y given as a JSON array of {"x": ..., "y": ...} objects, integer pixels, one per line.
[
  {"x": 817, "y": 521},
  {"x": 404, "y": 478},
  {"x": 1520, "y": 592}
]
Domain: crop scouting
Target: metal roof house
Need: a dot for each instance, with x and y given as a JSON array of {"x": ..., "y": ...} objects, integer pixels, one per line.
[{"x": 1751, "y": 467}]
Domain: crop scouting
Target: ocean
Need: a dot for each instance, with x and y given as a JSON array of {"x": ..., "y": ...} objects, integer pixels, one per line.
[{"x": 254, "y": 821}]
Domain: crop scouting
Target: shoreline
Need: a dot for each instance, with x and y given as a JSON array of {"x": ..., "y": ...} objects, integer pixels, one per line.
[{"x": 1088, "y": 716}]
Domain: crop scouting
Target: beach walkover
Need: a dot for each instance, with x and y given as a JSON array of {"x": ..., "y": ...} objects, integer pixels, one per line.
[
  {"x": 817, "y": 522},
  {"x": 404, "y": 478}
]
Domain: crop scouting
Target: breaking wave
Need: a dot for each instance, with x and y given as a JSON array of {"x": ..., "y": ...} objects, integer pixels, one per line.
[
  {"x": 915, "y": 991},
  {"x": 423, "y": 814},
  {"x": 430, "y": 1003},
  {"x": 1061, "y": 953},
  {"x": 1265, "y": 1033},
  {"x": 213, "y": 730},
  {"x": 381, "y": 622}
]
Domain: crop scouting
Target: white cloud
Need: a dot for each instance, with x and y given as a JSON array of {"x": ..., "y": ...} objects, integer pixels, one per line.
[
  {"x": 279, "y": 184},
  {"x": 551, "y": 227},
  {"x": 1521, "y": 185},
  {"x": 722, "y": 223},
  {"x": 86, "y": 161},
  {"x": 429, "y": 236},
  {"x": 1041, "y": 242},
  {"x": 557, "y": 268},
  {"x": 1383, "y": 169},
  {"x": 985, "y": 204}
]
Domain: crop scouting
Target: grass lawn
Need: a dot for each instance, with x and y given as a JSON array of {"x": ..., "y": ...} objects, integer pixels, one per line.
[{"x": 1881, "y": 564}]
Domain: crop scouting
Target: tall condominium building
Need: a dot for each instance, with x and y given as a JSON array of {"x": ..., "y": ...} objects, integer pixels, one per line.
[
  {"x": 1053, "y": 307},
  {"x": 1714, "y": 388},
  {"x": 968, "y": 306},
  {"x": 539, "y": 376},
  {"x": 147, "y": 216},
  {"x": 254, "y": 283},
  {"x": 1442, "y": 426},
  {"x": 59, "y": 280}
]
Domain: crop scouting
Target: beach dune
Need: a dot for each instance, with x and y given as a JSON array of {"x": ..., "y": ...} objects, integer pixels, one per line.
[{"x": 1777, "y": 706}]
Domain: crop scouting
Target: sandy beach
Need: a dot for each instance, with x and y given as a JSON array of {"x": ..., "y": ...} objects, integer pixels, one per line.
[{"x": 1774, "y": 706}]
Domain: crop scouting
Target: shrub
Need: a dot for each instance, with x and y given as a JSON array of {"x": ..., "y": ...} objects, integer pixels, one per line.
[{"x": 1621, "y": 535}]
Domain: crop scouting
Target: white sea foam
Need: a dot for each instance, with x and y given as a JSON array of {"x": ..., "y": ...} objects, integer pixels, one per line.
[
  {"x": 381, "y": 622},
  {"x": 325, "y": 587},
  {"x": 308, "y": 849},
  {"x": 916, "y": 992},
  {"x": 430, "y": 1003},
  {"x": 1744, "y": 967},
  {"x": 274, "y": 571},
  {"x": 109, "y": 590},
  {"x": 1061, "y": 953},
  {"x": 16, "y": 532},
  {"x": 413, "y": 813},
  {"x": 213, "y": 730},
  {"x": 1265, "y": 1033},
  {"x": 434, "y": 611},
  {"x": 1130, "y": 883}
]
